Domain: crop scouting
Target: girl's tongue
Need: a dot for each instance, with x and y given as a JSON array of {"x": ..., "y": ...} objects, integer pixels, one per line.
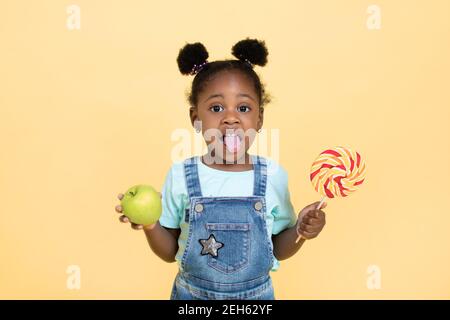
[{"x": 232, "y": 142}]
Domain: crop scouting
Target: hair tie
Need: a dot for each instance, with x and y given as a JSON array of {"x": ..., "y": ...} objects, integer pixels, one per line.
[
  {"x": 248, "y": 62},
  {"x": 245, "y": 60},
  {"x": 197, "y": 68}
]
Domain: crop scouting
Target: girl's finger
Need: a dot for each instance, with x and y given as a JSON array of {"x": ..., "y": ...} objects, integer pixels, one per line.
[
  {"x": 323, "y": 206},
  {"x": 311, "y": 221},
  {"x": 302, "y": 227},
  {"x": 308, "y": 228},
  {"x": 120, "y": 196},
  {"x": 309, "y": 235},
  {"x": 136, "y": 226},
  {"x": 304, "y": 219},
  {"x": 312, "y": 214},
  {"x": 320, "y": 214},
  {"x": 316, "y": 228},
  {"x": 119, "y": 208},
  {"x": 311, "y": 207},
  {"x": 123, "y": 219}
]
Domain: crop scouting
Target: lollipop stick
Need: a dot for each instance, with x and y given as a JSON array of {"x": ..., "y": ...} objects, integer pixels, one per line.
[
  {"x": 320, "y": 203},
  {"x": 317, "y": 208}
]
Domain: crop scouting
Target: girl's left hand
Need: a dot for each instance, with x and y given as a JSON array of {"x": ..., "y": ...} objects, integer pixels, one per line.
[{"x": 311, "y": 221}]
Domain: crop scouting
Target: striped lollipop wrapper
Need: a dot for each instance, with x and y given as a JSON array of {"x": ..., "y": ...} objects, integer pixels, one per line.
[{"x": 337, "y": 172}]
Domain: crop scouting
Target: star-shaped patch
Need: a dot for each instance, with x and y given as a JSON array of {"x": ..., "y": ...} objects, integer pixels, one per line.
[{"x": 210, "y": 246}]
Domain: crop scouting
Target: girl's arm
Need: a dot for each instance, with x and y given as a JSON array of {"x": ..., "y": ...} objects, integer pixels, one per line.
[
  {"x": 163, "y": 242},
  {"x": 310, "y": 223},
  {"x": 284, "y": 245}
]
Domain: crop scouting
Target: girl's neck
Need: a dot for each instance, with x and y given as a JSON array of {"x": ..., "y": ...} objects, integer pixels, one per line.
[{"x": 234, "y": 167}]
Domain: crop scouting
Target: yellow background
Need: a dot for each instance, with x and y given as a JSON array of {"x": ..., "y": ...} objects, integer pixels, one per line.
[{"x": 87, "y": 113}]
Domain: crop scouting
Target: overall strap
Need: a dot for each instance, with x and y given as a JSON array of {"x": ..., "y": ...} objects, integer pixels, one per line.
[
  {"x": 191, "y": 175},
  {"x": 260, "y": 181}
]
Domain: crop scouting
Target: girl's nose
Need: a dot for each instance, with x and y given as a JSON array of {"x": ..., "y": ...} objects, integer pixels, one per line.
[
  {"x": 230, "y": 117},
  {"x": 231, "y": 121}
]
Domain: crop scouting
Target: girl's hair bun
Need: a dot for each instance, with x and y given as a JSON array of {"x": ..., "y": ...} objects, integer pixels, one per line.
[
  {"x": 253, "y": 50},
  {"x": 192, "y": 54}
]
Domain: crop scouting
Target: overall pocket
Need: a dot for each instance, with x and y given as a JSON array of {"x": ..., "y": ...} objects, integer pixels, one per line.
[{"x": 234, "y": 255}]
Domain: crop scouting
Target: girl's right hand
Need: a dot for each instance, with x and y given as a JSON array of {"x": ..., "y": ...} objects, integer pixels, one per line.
[{"x": 124, "y": 218}]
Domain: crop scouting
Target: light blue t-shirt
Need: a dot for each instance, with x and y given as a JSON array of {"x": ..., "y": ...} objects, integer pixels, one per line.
[{"x": 218, "y": 183}]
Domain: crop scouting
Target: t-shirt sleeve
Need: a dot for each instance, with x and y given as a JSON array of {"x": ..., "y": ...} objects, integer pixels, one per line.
[
  {"x": 171, "y": 206},
  {"x": 283, "y": 212}
]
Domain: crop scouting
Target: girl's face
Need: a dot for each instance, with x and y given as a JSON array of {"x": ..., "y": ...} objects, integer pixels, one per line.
[{"x": 229, "y": 114}]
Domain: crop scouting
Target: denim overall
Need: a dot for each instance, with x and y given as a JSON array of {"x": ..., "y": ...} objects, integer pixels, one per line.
[{"x": 228, "y": 252}]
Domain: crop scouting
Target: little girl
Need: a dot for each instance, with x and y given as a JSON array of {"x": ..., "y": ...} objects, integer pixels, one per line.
[{"x": 227, "y": 218}]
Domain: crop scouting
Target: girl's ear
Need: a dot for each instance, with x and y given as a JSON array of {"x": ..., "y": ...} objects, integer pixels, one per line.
[
  {"x": 193, "y": 115},
  {"x": 260, "y": 118}
]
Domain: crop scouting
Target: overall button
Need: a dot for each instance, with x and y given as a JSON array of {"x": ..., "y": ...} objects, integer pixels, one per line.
[
  {"x": 198, "y": 207},
  {"x": 258, "y": 205}
]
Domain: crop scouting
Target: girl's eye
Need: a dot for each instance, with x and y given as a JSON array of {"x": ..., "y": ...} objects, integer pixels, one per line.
[
  {"x": 216, "y": 108},
  {"x": 244, "y": 109}
]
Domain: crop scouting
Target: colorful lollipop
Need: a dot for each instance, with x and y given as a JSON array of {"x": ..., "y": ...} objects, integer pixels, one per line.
[{"x": 337, "y": 172}]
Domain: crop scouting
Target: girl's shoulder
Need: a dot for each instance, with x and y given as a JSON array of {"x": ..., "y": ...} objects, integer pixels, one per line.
[
  {"x": 174, "y": 181},
  {"x": 177, "y": 169},
  {"x": 275, "y": 171}
]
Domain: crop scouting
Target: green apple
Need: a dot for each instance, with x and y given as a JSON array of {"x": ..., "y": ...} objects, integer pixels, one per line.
[{"x": 142, "y": 204}]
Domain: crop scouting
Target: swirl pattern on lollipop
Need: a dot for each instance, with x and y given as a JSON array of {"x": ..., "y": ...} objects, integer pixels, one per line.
[{"x": 337, "y": 172}]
